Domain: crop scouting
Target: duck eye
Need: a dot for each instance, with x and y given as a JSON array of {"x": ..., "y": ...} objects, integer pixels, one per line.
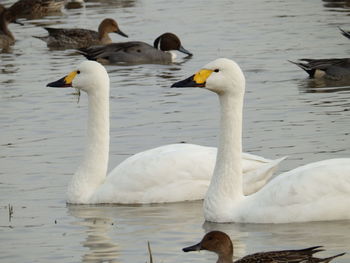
[
  {"x": 78, "y": 71},
  {"x": 216, "y": 70}
]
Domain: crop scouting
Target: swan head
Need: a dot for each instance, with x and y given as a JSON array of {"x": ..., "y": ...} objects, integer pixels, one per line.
[
  {"x": 89, "y": 76},
  {"x": 222, "y": 76},
  {"x": 214, "y": 241}
]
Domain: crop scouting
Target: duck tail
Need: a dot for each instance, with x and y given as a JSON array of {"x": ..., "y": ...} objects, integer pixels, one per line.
[
  {"x": 330, "y": 258},
  {"x": 344, "y": 33},
  {"x": 310, "y": 71},
  {"x": 85, "y": 53}
]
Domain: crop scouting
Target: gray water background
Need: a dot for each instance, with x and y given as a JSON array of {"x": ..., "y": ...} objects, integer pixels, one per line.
[{"x": 285, "y": 113}]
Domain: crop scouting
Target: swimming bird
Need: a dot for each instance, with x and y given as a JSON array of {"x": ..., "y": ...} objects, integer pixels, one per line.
[
  {"x": 170, "y": 173},
  {"x": 332, "y": 69},
  {"x": 65, "y": 38},
  {"x": 221, "y": 244},
  {"x": 137, "y": 52},
  {"x": 344, "y": 33},
  {"x": 33, "y": 9},
  {"x": 317, "y": 191},
  {"x": 6, "y": 37}
]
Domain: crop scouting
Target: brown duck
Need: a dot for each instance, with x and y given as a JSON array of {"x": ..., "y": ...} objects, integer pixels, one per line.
[
  {"x": 33, "y": 9},
  {"x": 6, "y": 37},
  {"x": 65, "y": 38},
  {"x": 221, "y": 244}
]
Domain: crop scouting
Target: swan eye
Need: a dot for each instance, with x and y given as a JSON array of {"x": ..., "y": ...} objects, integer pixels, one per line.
[
  {"x": 216, "y": 70},
  {"x": 78, "y": 71}
]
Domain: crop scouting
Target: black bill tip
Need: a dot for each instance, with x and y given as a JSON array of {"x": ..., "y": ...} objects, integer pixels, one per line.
[
  {"x": 183, "y": 50},
  {"x": 196, "y": 247},
  {"x": 121, "y": 33},
  {"x": 187, "y": 83},
  {"x": 61, "y": 83}
]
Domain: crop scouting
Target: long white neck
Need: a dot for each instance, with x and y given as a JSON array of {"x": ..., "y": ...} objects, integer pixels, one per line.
[
  {"x": 226, "y": 184},
  {"x": 93, "y": 169}
]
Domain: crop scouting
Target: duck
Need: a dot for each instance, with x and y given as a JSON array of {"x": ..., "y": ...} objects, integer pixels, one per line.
[
  {"x": 6, "y": 37},
  {"x": 74, "y": 38},
  {"x": 318, "y": 191},
  {"x": 337, "y": 69},
  {"x": 34, "y": 9},
  {"x": 169, "y": 173},
  {"x": 137, "y": 52},
  {"x": 221, "y": 244}
]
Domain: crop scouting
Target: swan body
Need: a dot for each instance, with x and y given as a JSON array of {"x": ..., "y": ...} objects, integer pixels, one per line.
[
  {"x": 170, "y": 173},
  {"x": 314, "y": 192}
]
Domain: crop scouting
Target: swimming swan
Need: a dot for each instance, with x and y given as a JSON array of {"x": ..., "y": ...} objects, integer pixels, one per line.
[
  {"x": 169, "y": 173},
  {"x": 314, "y": 192}
]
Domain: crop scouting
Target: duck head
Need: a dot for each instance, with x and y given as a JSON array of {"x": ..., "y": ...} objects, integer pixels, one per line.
[
  {"x": 214, "y": 241},
  {"x": 169, "y": 41},
  {"x": 109, "y": 25}
]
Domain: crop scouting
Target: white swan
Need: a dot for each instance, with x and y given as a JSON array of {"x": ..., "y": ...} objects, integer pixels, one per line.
[
  {"x": 314, "y": 192},
  {"x": 169, "y": 173}
]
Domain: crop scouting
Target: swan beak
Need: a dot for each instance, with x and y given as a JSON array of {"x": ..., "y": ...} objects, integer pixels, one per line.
[
  {"x": 197, "y": 80},
  {"x": 64, "y": 82},
  {"x": 196, "y": 247}
]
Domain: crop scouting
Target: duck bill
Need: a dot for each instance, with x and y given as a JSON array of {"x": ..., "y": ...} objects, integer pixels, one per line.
[
  {"x": 196, "y": 247},
  {"x": 183, "y": 50},
  {"x": 64, "y": 82},
  {"x": 121, "y": 33}
]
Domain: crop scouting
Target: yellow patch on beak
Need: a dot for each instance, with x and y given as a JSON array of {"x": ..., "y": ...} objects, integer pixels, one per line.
[
  {"x": 70, "y": 77},
  {"x": 201, "y": 76}
]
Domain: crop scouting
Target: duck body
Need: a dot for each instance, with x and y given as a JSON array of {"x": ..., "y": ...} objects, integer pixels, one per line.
[
  {"x": 74, "y": 38},
  {"x": 315, "y": 192},
  {"x": 332, "y": 69},
  {"x": 136, "y": 52},
  {"x": 6, "y": 37},
  {"x": 221, "y": 244},
  {"x": 34, "y": 9},
  {"x": 170, "y": 173}
]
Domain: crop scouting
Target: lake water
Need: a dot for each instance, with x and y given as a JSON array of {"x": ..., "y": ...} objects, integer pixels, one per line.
[{"x": 42, "y": 129}]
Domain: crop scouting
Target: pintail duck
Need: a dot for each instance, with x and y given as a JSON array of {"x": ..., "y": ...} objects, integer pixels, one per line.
[
  {"x": 137, "y": 52},
  {"x": 221, "y": 244},
  {"x": 6, "y": 37},
  {"x": 33, "y": 9},
  {"x": 64, "y": 38},
  {"x": 332, "y": 69}
]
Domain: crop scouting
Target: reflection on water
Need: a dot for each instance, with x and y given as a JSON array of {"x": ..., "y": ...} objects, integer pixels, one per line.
[
  {"x": 96, "y": 229},
  {"x": 323, "y": 85}
]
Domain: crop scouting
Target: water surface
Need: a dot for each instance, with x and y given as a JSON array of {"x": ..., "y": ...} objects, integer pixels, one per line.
[{"x": 285, "y": 113}]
